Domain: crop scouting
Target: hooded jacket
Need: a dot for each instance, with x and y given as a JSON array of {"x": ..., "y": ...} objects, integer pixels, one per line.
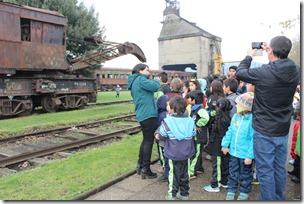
[
  {"x": 275, "y": 84},
  {"x": 178, "y": 132},
  {"x": 239, "y": 137},
  {"x": 142, "y": 92}
]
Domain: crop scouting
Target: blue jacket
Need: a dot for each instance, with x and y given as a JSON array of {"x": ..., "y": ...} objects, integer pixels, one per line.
[
  {"x": 178, "y": 133},
  {"x": 142, "y": 91},
  {"x": 239, "y": 137},
  {"x": 161, "y": 104}
]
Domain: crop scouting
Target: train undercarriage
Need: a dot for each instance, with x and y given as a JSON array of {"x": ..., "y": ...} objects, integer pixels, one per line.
[{"x": 19, "y": 96}]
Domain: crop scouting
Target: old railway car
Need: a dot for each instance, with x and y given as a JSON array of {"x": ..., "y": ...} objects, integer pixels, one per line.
[
  {"x": 34, "y": 70},
  {"x": 110, "y": 77}
]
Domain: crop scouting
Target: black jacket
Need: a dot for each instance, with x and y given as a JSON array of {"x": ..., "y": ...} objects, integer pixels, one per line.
[
  {"x": 215, "y": 139},
  {"x": 275, "y": 84}
]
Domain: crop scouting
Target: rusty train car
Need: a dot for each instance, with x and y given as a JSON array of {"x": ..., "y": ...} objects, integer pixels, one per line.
[
  {"x": 110, "y": 77},
  {"x": 34, "y": 70}
]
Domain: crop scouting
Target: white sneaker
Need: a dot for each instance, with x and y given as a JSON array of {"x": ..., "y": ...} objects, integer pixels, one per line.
[{"x": 208, "y": 157}]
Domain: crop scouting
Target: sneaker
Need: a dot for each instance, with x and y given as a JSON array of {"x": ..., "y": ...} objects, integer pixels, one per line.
[
  {"x": 192, "y": 177},
  {"x": 292, "y": 173},
  {"x": 291, "y": 162},
  {"x": 212, "y": 190},
  {"x": 200, "y": 171},
  {"x": 208, "y": 157},
  {"x": 255, "y": 181},
  {"x": 169, "y": 197},
  {"x": 163, "y": 178},
  {"x": 181, "y": 197},
  {"x": 230, "y": 196},
  {"x": 243, "y": 196},
  {"x": 160, "y": 170},
  {"x": 223, "y": 185},
  {"x": 295, "y": 179}
]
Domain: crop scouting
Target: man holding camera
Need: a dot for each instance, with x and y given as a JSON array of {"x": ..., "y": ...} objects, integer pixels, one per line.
[{"x": 275, "y": 84}]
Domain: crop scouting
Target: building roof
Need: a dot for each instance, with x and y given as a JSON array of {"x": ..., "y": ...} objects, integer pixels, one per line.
[{"x": 176, "y": 27}]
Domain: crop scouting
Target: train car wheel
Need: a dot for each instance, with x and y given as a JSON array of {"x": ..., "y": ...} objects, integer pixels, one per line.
[
  {"x": 48, "y": 104},
  {"x": 27, "y": 108}
]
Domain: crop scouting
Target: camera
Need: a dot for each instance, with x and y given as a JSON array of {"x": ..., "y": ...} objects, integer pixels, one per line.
[{"x": 256, "y": 45}]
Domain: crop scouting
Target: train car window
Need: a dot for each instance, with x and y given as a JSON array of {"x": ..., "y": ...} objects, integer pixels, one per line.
[
  {"x": 47, "y": 33},
  {"x": 25, "y": 29},
  {"x": 52, "y": 34}
]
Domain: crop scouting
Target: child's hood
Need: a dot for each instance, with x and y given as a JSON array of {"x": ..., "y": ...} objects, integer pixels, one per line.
[{"x": 180, "y": 127}]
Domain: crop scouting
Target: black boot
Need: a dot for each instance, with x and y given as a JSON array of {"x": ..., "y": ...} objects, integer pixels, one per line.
[
  {"x": 138, "y": 169},
  {"x": 147, "y": 173}
]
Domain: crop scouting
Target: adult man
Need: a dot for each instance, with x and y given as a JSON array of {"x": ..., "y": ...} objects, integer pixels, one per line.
[{"x": 275, "y": 84}]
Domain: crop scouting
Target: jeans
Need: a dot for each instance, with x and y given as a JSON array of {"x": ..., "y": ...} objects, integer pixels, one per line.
[
  {"x": 270, "y": 156},
  {"x": 239, "y": 174}
]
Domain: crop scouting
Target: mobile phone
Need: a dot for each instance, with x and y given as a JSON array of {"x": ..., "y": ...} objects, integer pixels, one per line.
[{"x": 256, "y": 45}]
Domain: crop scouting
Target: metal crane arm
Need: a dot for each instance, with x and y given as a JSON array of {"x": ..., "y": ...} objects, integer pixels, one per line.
[{"x": 112, "y": 50}]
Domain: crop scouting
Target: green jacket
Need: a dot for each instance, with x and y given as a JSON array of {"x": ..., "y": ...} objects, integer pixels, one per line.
[{"x": 142, "y": 91}]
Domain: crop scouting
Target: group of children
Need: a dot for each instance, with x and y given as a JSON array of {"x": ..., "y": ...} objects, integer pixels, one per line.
[{"x": 221, "y": 122}]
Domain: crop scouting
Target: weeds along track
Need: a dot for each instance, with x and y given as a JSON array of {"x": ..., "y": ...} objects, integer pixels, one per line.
[
  {"x": 90, "y": 105},
  {"x": 24, "y": 148}
]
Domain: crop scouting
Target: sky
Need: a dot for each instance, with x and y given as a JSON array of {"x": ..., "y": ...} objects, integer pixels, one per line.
[{"x": 237, "y": 22}]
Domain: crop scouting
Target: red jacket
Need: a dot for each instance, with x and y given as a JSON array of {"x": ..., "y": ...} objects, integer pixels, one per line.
[{"x": 294, "y": 138}]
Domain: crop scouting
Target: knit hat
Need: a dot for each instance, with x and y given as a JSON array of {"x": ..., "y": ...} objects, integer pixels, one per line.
[{"x": 244, "y": 102}]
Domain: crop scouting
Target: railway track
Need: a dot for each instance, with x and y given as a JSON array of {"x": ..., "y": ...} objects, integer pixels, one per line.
[
  {"x": 108, "y": 103},
  {"x": 24, "y": 147}
]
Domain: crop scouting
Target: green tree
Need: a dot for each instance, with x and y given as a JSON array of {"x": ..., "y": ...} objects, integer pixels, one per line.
[{"x": 294, "y": 26}]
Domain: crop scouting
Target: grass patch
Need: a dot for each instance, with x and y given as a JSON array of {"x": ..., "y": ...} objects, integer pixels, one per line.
[
  {"x": 108, "y": 96},
  {"x": 66, "y": 178}
]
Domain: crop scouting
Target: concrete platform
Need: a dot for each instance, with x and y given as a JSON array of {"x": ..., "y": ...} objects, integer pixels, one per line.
[{"x": 134, "y": 188}]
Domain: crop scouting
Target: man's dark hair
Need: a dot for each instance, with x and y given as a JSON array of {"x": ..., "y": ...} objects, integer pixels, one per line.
[
  {"x": 163, "y": 77},
  {"x": 232, "y": 83},
  {"x": 280, "y": 46},
  {"x": 233, "y": 67},
  {"x": 178, "y": 104},
  {"x": 139, "y": 67}
]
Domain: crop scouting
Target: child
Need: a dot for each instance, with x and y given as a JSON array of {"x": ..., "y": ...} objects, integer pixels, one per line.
[
  {"x": 230, "y": 87},
  {"x": 201, "y": 118},
  {"x": 220, "y": 162},
  {"x": 177, "y": 130},
  {"x": 250, "y": 88},
  {"x": 164, "y": 89},
  {"x": 295, "y": 173},
  {"x": 238, "y": 141},
  {"x": 117, "y": 89},
  {"x": 216, "y": 92},
  {"x": 195, "y": 84},
  {"x": 175, "y": 87},
  {"x": 297, "y": 164}
]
